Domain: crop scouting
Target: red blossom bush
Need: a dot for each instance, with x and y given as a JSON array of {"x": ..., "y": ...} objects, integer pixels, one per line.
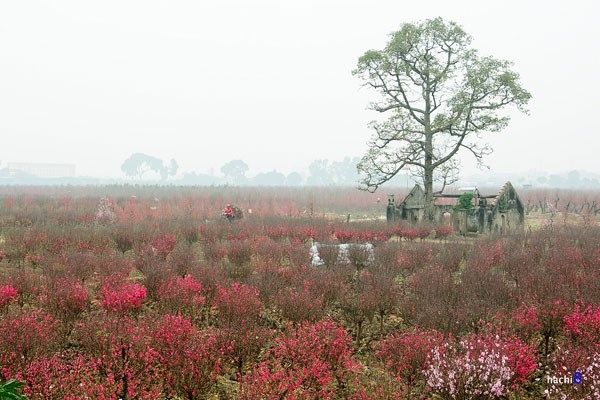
[
  {"x": 8, "y": 293},
  {"x": 181, "y": 295},
  {"x": 214, "y": 252},
  {"x": 123, "y": 297},
  {"x": 239, "y": 252},
  {"x": 68, "y": 298},
  {"x": 67, "y": 377},
  {"x": 239, "y": 310},
  {"x": 234, "y": 310},
  {"x": 299, "y": 304},
  {"x": 123, "y": 349},
  {"x": 405, "y": 353},
  {"x": 193, "y": 358},
  {"x": 24, "y": 337},
  {"x": 33, "y": 259},
  {"x": 442, "y": 232},
  {"x": 313, "y": 361},
  {"x": 163, "y": 245},
  {"x": 182, "y": 260},
  {"x": 238, "y": 305},
  {"x": 528, "y": 318},
  {"x": 343, "y": 236},
  {"x": 583, "y": 323}
]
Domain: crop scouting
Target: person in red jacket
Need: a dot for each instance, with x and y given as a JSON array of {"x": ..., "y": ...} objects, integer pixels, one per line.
[{"x": 228, "y": 212}]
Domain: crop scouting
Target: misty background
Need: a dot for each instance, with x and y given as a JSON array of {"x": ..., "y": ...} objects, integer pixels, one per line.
[{"x": 269, "y": 83}]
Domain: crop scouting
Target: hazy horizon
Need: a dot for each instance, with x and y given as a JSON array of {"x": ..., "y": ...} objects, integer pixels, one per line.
[{"x": 267, "y": 82}]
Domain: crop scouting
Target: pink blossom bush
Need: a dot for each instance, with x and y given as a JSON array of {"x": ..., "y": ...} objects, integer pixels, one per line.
[
  {"x": 443, "y": 231},
  {"x": 483, "y": 367},
  {"x": 565, "y": 362}
]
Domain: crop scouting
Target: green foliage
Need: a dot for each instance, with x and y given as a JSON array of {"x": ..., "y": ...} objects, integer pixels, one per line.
[
  {"x": 465, "y": 201},
  {"x": 439, "y": 94},
  {"x": 11, "y": 390}
]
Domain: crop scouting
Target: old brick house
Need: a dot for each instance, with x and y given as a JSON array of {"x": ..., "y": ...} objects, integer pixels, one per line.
[{"x": 498, "y": 212}]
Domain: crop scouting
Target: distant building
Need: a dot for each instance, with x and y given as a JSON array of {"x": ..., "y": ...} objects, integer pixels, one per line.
[
  {"x": 42, "y": 170},
  {"x": 497, "y": 212}
]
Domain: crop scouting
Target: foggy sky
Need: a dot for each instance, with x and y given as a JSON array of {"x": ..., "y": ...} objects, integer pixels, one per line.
[{"x": 268, "y": 82}]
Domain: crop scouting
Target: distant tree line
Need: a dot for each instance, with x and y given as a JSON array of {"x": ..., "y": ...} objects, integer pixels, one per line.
[
  {"x": 321, "y": 172},
  {"x": 139, "y": 164}
]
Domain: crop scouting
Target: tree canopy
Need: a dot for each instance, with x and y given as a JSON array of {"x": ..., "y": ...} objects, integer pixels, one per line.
[
  {"x": 439, "y": 96},
  {"x": 139, "y": 163}
]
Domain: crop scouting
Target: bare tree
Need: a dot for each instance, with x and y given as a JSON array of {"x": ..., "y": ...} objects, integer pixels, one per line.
[{"x": 440, "y": 96}]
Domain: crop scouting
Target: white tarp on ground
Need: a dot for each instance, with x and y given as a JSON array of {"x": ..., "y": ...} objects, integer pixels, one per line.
[{"x": 343, "y": 252}]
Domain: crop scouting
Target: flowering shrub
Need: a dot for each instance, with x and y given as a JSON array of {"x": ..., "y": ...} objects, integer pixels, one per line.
[
  {"x": 33, "y": 259},
  {"x": 584, "y": 323},
  {"x": 442, "y": 232},
  {"x": 8, "y": 293},
  {"x": 568, "y": 360},
  {"x": 214, "y": 252},
  {"x": 193, "y": 359},
  {"x": 122, "y": 348},
  {"x": 313, "y": 361},
  {"x": 484, "y": 367},
  {"x": 343, "y": 236},
  {"x": 239, "y": 252},
  {"x": 163, "y": 245},
  {"x": 68, "y": 298},
  {"x": 405, "y": 354},
  {"x": 299, "y": 304},
  {"x": 25, "y": 336},
  {"x": 182, "y": 259},
  {"x": 238, "y": 305},
  {"x": 235, "y": 310},
  {"x": 62, "y": 377},
  {"x": 181, "y": 295},
  {"x": 409, "y": 233},
  {"x": 526, "y": 319},
  {"x": 123, "y": 297}
]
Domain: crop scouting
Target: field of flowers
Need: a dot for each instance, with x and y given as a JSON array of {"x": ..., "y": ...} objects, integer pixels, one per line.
[{"x": 145, "y": 293}]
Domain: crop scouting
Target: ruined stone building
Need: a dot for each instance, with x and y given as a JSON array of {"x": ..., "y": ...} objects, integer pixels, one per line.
[{"x": 489, "y": 213}]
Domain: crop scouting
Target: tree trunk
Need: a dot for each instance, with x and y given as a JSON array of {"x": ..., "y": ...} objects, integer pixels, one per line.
[
  {"x": 428, "y": 162},
  {"x": 428, "y": 188},
  {"x": 428, "y": 178}
]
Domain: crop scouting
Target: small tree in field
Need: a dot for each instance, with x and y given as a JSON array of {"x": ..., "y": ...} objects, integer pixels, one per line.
[{"x": 439, "y": 95}]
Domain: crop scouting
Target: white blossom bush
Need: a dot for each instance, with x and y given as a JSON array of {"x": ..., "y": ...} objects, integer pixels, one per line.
[
  {"x": 568, "y": 360},
  {"x": 482, "y": 367},
  {"x": 105, "y": 212}
]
